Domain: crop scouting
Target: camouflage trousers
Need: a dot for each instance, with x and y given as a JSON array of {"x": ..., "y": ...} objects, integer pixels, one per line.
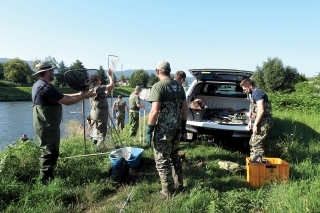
[
  {"x": 257, "y": 140},
  {"x": 120, "y": 120},
  {"x": 134, "y": 123},
  {"x": 168, "y": 163}
]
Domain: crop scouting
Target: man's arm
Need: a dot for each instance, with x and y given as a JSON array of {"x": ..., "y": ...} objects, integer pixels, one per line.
[
  {"x": 69, "y": 100},
  {"x": 260, "y": 114},
  {"x": 184, "y": 110},
  {"x": 110, "y": 86},
  {"x": 74, "y": 94},
  {"x": 153, "y": 115},
  {"x": 141, "y": 106},
  {"x": 112, "y": 108}
]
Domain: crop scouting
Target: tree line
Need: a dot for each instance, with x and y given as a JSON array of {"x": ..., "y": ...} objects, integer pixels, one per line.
[
  {"x": 19, "y": 72},
  {"x": 272, "y": 76}
]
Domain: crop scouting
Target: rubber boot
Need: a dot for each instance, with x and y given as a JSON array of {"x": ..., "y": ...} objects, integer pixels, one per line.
[
  {"x": 167, "y": 190},
  {"x": 100, "y": 143},
  {"x": 178, "y": 182}
]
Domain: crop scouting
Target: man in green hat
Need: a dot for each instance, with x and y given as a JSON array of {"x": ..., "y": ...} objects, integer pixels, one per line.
[
  {"x": 167, "y": 118},
  {"x": 47, "y": 111}
]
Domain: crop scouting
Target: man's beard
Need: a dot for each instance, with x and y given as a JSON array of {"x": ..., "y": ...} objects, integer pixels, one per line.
[{"x": 51, "y": 77}]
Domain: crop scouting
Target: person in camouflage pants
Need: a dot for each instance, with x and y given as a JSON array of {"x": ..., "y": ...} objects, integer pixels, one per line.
[
  {"x": 168, "y": 101},
  {"x": 260, "y": 116},
  {"x": 120, "y": 106}
]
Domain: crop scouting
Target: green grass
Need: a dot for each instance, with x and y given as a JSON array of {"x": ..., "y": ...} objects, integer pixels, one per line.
[{"x": 82, "y": 183}]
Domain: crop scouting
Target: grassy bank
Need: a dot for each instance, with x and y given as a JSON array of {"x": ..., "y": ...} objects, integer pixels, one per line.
[
  {"x": 24, "y": 93},
  {"x": 82, "y": 183}
]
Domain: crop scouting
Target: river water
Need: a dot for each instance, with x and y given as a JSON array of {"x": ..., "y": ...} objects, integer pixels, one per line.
[{"x": 16, "y": 118}]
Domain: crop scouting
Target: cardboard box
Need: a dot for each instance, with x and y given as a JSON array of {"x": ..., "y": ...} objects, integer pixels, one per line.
[{"x": 259, "y": 174}]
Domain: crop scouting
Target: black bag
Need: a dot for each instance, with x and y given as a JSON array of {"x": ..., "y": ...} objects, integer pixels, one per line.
[{"x": 120, "y": 171}]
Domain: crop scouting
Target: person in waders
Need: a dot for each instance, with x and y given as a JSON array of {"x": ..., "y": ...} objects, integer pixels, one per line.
[
  {"x": 99, "y": 106},
  {"x": 167, "y": 118},
  {"x": 47, "y": 111},
  {"x": 260, "y": 117}
]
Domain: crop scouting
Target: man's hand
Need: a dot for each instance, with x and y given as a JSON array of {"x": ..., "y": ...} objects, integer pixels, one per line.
[
  {"x": 90, "y": 94},
  {"x": 149, "y": 134},
  {"x": 255, "y": 129},
  {"x": 110, "y": 73}
]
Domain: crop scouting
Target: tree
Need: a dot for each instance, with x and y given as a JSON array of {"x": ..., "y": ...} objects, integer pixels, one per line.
[
  {"x": 124, "y": 78},
  {"x": 59, "y": 77},
  {"x": 102, "y": 76},
  {"x": 139, "y": 77},
  {"x": 273, "y": 76},
  {"x": 17, "y": 70},
  {"x": 49, "y": 58},
  {"x": 152, "y": 79},
  {"x": 257, "y": 77},
  {"x": 77, "y": 65},
  {"x": 1, "y": 71}
]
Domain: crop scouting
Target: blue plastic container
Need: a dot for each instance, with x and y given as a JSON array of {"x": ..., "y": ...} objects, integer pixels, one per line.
[{"x": 132, "y": 155}]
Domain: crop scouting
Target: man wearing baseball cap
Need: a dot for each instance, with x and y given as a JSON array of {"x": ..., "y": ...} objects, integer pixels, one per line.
[
  {"x": 167, "y": 118},
  {"x": 134, "y": 108}
]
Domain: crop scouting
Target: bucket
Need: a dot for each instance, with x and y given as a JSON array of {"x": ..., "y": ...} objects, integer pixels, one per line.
[{"x": 132, "y": 155}]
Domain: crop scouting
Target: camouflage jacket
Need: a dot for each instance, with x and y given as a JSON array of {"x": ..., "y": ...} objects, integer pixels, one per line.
[{"x": 120, "y": 106}]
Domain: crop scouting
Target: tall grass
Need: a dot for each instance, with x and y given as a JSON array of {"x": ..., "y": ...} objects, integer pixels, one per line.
[{"x": 82, "y": 183}]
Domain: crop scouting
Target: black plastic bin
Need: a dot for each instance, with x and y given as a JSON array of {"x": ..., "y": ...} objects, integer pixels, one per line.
[{"x": 196, "y": 115}]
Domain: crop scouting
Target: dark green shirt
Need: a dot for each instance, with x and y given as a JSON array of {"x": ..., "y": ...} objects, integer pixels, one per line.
[
  {"x": 167, "y": 90},
  {"x": 134, "y": 99}
]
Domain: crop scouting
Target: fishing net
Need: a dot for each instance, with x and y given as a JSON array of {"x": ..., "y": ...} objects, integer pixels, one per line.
[
  {"x": 113, "y": 62},
  {"x": 82, "y": 80},
  {"x": 144, "y": 94}
]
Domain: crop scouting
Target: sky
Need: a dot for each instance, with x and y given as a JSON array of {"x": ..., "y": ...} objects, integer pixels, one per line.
[{"x": 228, "y": 34}]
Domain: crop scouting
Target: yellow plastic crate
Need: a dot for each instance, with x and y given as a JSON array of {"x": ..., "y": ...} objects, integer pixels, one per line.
[{"x": 259, "y": 174}]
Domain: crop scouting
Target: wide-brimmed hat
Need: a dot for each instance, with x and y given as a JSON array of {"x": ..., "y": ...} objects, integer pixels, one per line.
[{"x": 43, "y": 66}]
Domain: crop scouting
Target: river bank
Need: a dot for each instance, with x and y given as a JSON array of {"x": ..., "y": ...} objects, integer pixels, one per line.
[{"x": 8, "y": 94}]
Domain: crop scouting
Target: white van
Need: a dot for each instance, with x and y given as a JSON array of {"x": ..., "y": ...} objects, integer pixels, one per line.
[{"x": 226, "y": 106}]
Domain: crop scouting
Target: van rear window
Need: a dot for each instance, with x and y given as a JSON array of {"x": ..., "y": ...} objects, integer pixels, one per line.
[{"x": 225, "y": 90}]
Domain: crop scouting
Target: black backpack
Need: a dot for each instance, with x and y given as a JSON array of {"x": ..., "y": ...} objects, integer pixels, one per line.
[{"x": 120, "y": 171}]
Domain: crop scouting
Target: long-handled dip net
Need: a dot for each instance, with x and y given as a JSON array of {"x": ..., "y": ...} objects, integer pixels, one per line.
[
  {"x": 144, "y": 94},
  {"x": 113, "y": 61}
]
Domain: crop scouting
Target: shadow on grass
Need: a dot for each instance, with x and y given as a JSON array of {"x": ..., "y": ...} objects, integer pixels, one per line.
[{"x": 293, "y": 135}]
